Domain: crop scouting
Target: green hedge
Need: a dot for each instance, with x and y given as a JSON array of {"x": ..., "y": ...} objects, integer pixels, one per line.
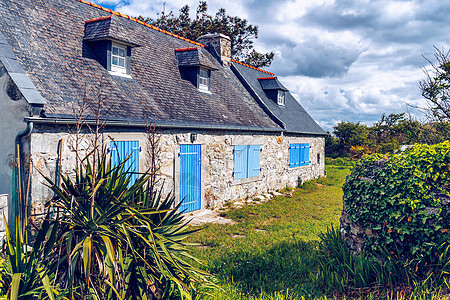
[{"x": 399, "y": 201}]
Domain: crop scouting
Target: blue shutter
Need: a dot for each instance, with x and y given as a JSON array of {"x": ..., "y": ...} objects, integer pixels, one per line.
[
  {"x": 307, "y": 161},
  {"x": 254, "y": 157},
  {"x": 240, "y": 162},
  {"x": 121, "y": 150},
  {"x": 304, "y": 155},
  {"x": 294, "y": 155}
]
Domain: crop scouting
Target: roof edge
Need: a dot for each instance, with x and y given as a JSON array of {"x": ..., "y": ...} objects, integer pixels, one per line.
[
  {"x": 186, "y": 49},
  {"x": 163, "y": 125},
  {"x": 140, "y": 22},
  {"x": 251, "y": 67}
]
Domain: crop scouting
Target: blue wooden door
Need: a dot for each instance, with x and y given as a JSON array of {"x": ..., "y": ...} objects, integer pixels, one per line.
[
  {"x": 190, "y": 177},
  {"x": 121, "y": 150}
]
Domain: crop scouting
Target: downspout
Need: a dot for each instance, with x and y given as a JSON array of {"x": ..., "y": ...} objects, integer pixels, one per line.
[
  {"x": 23, "y": 133},
  {"x": 17, "y": 180}
]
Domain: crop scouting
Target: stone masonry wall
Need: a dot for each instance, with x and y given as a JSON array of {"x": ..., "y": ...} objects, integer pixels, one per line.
[{"x": 218, "y": 186}]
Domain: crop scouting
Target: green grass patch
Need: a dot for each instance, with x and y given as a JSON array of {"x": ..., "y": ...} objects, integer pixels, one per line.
[{"x": 272, "y": 246}]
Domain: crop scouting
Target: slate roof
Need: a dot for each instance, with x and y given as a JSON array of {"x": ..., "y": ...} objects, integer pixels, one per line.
[
  {"x": 47, "y": 40},
  {"x": 190, "y": 57},
  {"x": 106, "y": 28},
  {"x": 293, "y": 116},
  {"x": 18, "y": 75},
  {"x": 271, "y": 83}
]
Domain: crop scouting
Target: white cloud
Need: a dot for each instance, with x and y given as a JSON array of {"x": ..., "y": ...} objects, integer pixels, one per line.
[{"x": 346, "y": 60}]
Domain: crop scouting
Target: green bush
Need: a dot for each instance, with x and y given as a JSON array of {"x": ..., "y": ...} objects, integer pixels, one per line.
[{"x": 399, "y": 200}]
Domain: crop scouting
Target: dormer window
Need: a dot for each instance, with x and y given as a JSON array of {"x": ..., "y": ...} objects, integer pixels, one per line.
[
  {"x": 280, "y": 98},
  {"x": 118, "y": 58},
  {"x": 274, "y": 90},
  {"x": 203, "y": 79},
  {"x": 195, "y": 67},
  {"x": 110, "y": 44}
]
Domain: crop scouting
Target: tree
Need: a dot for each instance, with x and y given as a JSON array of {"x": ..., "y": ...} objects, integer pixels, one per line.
[
  {"x": 351, "y": 134},
  {"x": 435, "y": 87},
  {"x": 241, "y": 33},
  {"x": 394, "y": 130}
]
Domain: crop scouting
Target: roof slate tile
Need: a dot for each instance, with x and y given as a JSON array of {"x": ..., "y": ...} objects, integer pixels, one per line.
[
  {"x": 47, "y": 38},
  {"x": 292, "y": 114}
]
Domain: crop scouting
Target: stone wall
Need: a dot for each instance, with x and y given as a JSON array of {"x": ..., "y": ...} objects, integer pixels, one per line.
[{"x": 218, "y": 186}]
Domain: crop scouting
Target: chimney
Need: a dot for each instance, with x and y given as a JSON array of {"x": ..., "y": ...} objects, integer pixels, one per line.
[{"x": 221, "y": 45}]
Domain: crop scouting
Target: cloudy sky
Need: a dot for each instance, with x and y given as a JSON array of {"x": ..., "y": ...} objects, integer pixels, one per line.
[{"x": 344, "y": 60}]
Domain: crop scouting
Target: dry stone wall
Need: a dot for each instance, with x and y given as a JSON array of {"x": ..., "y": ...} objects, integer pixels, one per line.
[{"x": 218, "y": 186}]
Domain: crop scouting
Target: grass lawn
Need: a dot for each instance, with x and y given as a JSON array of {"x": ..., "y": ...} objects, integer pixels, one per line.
[{"x": 272, "y": 246}]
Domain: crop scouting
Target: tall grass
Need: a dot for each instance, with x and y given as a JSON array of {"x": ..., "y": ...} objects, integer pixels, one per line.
[{"x": 341, "y": 271}]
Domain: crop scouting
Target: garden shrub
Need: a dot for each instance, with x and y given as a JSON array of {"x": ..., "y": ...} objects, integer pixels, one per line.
[{"x": 401, "y": 202}]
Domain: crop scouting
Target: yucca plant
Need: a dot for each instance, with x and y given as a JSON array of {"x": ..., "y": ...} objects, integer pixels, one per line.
[
  {"x": 116, "y": 239},
  {"x": 30, "y": 275}
]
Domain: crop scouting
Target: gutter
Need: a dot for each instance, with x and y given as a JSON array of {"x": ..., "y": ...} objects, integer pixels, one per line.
[
  {"x": 64, "y": 121},
  {"x": 257, "y": 98}
]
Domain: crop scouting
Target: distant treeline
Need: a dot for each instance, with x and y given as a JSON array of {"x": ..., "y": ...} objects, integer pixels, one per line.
[{"x": 385, "y": 136}]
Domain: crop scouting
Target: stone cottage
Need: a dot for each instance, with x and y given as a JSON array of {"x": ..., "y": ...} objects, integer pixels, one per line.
[{"x": 227, "y": 130}]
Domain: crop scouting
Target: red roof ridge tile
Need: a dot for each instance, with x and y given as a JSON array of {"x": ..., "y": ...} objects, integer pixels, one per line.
[
  {"x": 138, "y": 21},
  {"x": 265, "y": 78},
  {"x": 248, "y": 66},
  {"x": 98, "y": 19},
  {"x": 186, "y": 49}
]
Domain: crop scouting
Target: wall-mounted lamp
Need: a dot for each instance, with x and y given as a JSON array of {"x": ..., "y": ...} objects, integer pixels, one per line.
[{"x": 193, "y": 137}]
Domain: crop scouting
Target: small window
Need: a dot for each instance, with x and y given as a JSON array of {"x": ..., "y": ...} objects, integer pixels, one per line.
[
  {"x": 280, "y": 98},
  {"x": 246, "y": 161},
  {"x": 118, "y": 59},
  {"x": 203, "y": 79},
  {"x": 298, "y": 155},
  {"x": 318, "y": 158}
]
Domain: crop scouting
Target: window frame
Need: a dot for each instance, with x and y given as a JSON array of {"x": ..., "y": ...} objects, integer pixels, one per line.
[
  {"x": 299, "y": 155},
  {"x": 204, "y": 87},
  {"x": 116, "y": 67},
  {"x": 247, "y": 162},
  {"x": 281, "y": 98}
]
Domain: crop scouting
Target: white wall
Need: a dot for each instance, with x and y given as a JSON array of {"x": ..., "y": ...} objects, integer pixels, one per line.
[{"x": 12, "y": 114}]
